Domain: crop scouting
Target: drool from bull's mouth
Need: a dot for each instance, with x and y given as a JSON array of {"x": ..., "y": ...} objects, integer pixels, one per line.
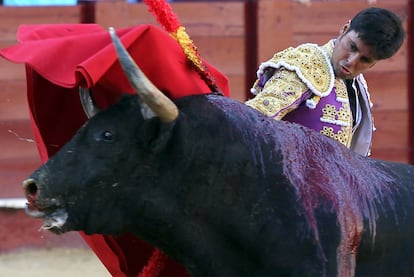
[{"x": 53, "y": 221}]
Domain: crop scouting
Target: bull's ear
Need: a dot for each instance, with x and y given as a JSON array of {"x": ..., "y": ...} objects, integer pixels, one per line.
[
  {"x": 88, "y": 103},
  {"x": 156, "y": 134}
]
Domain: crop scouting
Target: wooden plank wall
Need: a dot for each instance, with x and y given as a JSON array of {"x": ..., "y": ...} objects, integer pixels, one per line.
[
  {"x": 223, "y": 34},
  {"x": 217, "y": 29},
  {"x": 18, "y": 154},
  {"x": 286, "y": 23}
]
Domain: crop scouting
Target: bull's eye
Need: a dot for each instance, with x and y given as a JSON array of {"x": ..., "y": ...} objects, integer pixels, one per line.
[
  {"x": 107, "y": 136},
  {"x": 103, "y": 136}
]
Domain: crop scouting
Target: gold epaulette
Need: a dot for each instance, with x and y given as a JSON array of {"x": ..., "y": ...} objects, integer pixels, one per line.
[{"x": 310, "y": 62}]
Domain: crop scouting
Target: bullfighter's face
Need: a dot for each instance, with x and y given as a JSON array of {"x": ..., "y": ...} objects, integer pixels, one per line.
[{"x": 351, "y": 56}]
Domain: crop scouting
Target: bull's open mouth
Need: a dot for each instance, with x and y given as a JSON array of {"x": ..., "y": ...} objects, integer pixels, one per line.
[
  {"x": 52, "y": 220},
  {"x": 41, "y": 208},
  {"x": 55, "y": 221}
]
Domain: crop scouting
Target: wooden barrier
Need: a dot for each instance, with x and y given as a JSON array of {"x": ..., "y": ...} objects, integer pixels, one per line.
[
  {"x": 18, "y": 156},
  {"x": 217, "y": 29}
]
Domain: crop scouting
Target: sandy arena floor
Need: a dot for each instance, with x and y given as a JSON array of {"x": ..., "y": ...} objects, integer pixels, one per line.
[
  {"x": 28, "y": 251},
  {"x": 52, "y": 262}
]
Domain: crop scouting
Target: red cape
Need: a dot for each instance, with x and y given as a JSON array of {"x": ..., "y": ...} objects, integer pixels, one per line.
[{"x": 59, "y": 59}]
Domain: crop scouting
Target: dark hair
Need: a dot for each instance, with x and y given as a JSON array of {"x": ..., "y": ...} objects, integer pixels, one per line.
[{"x": 379, "y": 29}]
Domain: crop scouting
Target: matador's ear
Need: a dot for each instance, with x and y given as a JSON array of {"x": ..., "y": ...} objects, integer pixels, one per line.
[{"x": 345, "y": 28}]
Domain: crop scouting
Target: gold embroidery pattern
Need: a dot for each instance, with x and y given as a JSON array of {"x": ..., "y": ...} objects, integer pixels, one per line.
[
  {"x": 311, "y": 62},
  {"x": 344, "y": 116},
  {"x": 341, "y": 136},
  {"x": 329, "y": 113},
  {"x": 341, "y": 117},
  {"x": 341, "y": 92},
  {"x": 279, "y": 92}
]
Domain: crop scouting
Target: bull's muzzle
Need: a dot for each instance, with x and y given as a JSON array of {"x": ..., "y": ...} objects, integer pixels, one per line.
[
  {"x": 31, "y": 191},
  {"x": 50, "y": 210}
]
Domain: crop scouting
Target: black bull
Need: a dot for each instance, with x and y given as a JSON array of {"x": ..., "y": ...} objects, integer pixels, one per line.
[{"x": 227, "y": 191}]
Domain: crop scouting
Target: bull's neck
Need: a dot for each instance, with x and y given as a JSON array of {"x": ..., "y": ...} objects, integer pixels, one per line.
[{"x": 180, "y": 237}]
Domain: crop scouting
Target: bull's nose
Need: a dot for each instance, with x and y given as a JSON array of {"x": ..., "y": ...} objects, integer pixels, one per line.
[{"x": 30, "y": 188}]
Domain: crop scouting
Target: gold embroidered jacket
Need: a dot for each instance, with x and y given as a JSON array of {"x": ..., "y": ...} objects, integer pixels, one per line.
[{"x": 299, "y": 85}]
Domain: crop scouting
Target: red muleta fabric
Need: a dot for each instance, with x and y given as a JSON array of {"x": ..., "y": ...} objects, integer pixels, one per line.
[{"x": 59, "y": 59}]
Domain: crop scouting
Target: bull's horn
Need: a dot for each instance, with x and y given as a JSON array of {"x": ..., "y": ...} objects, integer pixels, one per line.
[
  {"x": 88, "y": 104},
  {"x": 150, "y": 94}
]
